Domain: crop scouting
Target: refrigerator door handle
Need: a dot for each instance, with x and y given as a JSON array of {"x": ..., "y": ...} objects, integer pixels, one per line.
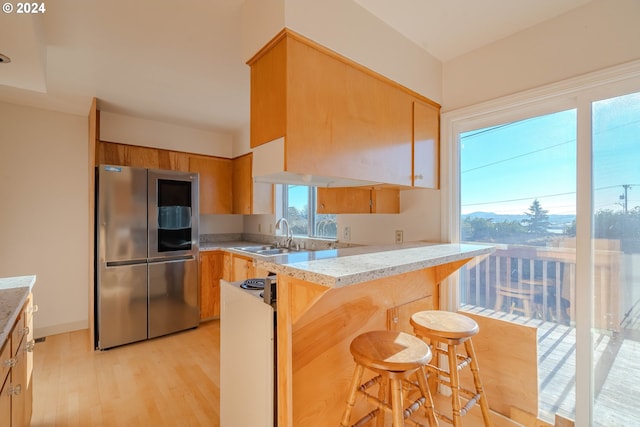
[
  {"x": 126, "y": 262},
  {"x": 169, "y": 259}
]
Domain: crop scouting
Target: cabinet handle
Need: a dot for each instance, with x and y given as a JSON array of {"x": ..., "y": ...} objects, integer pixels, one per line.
[
  {"x": 10, "y": 363},
  {"x": 419, "y": 176},
  {"x": 25, "y": 331},
  {"x": 15, "y": 390},
  {"x": 34, "y": 308},
  {"x": 30, "y": 346}
]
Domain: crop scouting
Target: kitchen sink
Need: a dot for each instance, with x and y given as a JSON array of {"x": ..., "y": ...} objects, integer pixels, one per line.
[
  {"x": 255, "y": 249},
  {"x": 267, "y": 250}
]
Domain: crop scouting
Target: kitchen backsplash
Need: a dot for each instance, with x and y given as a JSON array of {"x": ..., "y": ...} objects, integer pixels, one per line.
[{"x": 303, "y": 242}]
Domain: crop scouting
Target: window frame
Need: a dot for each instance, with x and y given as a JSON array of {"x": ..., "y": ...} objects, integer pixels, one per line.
[
  {"x": 312, "y": 198},
  {"x": 577, "y": 93}
]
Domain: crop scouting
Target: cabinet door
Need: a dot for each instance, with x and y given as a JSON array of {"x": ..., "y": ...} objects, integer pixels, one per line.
[
  {"x": 398, "y": 317},
  {"x": 21, "y": 389},
  {"x": 5, "y": 402},
  {"x": 344, "y": 200},
  {"x": 268, "y": 94},
  {"x": 358, "y": 200},
  {"x": 242, "y": 268},
  {"x": 215, "y": 183},
  {"x": 385, "y": 200},
  {"x": 227, "y": 270},
  {"x": 343, "y": 121},
  {"x": 242, "y": 189},
  {"x": 143, "y": 157},
  {"x": 211, "y": 268},
  {"x": 426, "y": 146}
]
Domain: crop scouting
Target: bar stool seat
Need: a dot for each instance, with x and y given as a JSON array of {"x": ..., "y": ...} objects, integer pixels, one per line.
[
  {"x": 394, "y": 357},
  {"x": 446, "y": 331}
]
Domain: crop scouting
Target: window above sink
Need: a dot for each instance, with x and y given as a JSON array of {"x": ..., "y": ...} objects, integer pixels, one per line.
[{"x": 297, "y": 203}]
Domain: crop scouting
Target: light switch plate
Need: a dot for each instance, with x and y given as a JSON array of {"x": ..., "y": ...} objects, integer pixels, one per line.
[
  {"x": 347, "y": 233},
  {"x": 399, "y": 237}
]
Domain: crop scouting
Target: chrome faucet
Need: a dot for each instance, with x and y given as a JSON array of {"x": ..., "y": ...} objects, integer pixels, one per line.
[{"x": 289, "y": 234}]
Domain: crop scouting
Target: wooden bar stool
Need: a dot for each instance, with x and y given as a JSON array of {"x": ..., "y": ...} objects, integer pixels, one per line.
[
  {"x": 394, "y": 357},
  {"x": 453, "y": 329}
]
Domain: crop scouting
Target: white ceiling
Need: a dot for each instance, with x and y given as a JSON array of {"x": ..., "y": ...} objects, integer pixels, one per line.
[{"x": 180, "y": 61}]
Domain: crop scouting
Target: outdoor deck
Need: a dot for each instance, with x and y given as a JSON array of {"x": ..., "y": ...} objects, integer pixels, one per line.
[{"x": 617, "y": 366}]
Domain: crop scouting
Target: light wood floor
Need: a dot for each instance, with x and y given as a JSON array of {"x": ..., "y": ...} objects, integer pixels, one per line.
[{"x": 167, "y": 381}]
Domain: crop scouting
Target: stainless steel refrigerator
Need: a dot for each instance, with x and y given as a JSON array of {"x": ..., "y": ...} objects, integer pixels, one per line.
[{"x": 146, "y": 254}]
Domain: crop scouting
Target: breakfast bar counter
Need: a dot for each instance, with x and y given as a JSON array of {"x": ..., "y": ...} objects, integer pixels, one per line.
[{"x": 325, "y": 302}]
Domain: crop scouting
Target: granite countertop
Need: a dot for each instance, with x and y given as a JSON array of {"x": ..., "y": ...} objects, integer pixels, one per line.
[
  {"x": 348, "y": 266},
  {"x": 343, "y": 267},
  {"x": 13, "y": 294}
]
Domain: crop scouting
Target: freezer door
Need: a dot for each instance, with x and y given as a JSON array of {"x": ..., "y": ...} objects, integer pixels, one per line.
[
  {"x": 122, "y": 213},
  {"x": 173, "y": 296},
  {"x": 122, "y": 305}
]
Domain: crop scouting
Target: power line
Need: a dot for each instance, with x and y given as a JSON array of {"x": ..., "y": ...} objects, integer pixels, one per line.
[
  {"x": 518, "y": 156},
  {"x": 545, "y": 196},
  {"x": 485, "y": 130}
]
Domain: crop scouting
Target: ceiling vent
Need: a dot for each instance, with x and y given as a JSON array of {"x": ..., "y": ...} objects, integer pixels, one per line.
[{"x": 4, "y": 58}]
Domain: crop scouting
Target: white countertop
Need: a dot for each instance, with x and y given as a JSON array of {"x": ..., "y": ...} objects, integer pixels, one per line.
[
  {"x": 348, "y": 266},
  {"x": 343, "y": 267},
  {"x": 13, "y": 294}
]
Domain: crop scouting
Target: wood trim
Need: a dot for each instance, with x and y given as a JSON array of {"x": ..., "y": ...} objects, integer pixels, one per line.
[{"x": 93, "y": 141}]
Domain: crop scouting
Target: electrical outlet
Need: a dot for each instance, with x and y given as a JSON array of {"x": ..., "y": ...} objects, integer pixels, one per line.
[
  {"x": 399, "y": 237},
  {"x": 259, "y": 228},
  {"x": 270, "y": 228},
  {"x": 347, "y": 233}
]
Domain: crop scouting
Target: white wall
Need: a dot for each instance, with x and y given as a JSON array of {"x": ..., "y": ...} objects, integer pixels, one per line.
[
  {"x": 44, "y": 216},
  {"x": 350, "y": 30},
  {"x": 220, "y": 224},
  {"x": 150, "y": 133},
  {"x": 419, "y": 220},
  {"x": 598, "y": 35},
  {"x": 354, "y": 32}
]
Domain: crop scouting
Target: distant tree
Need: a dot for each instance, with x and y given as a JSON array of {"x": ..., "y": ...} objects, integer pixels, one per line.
[
  {"x": 477, "y": 229},
  {"x": 508, "y": 229},
  {"x": 537, "y": 220},
  {"x": 570, "y": 230}
]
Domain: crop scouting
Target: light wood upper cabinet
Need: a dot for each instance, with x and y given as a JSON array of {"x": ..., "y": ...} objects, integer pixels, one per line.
[
  {"x": 358, "y": 200},
  {"x": 249, "y": 197},
  {"x": 337, "y": 118},
  {"x": 110, "y": 153},
  {"x": 426, "y": 147},
  {"x": 215, "y": 183}
]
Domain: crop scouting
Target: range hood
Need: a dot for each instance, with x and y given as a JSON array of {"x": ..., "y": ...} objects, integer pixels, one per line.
[{"x": 269, "y": 166}]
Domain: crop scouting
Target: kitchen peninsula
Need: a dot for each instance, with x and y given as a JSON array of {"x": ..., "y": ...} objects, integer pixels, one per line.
[{"x": 325, "y": 301}]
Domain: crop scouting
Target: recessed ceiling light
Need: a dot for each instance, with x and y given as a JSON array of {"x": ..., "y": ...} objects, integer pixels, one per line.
[{"x": 4, "y": 58}]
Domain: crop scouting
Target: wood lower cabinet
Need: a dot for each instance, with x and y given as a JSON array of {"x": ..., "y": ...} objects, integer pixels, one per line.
[
  {"x": 215, "y": 183},
  {"x": 16, "y": 393},
  {"x": 353, "y": 200},
  {"x": 241, "y": 267},
  {"x": 238, "y": 267},
  {"x": 211, "y": 271}
]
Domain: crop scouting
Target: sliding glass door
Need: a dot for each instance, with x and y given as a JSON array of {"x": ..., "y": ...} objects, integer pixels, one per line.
[
  {"x": 554, "y": 185},
  {"x": 616, "y": 260}
]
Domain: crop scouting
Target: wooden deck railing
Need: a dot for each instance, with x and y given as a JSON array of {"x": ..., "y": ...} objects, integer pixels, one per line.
[{"x": 550, "y": 272}]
